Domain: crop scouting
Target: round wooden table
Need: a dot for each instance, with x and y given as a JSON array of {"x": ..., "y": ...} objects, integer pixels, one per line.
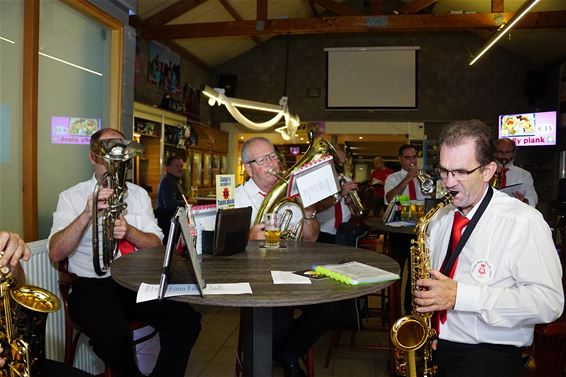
[{"x": 255, "y": 266}]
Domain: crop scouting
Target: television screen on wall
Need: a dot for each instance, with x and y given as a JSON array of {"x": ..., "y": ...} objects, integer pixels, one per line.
[{"x": 529, "y": 129}]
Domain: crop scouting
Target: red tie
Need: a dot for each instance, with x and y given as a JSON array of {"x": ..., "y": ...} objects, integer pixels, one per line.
[
  {"x": 458, "y": 225},
  {"x": 504, "y": 177},
  {"x": 412, "y": 192},
  {"x": 126, "y": 247},
  {"x": 338, "y": 215}
]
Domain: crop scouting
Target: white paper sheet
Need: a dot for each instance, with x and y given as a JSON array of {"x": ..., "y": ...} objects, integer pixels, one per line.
[
  {"x": 148, "y": 292},
  {"x": 288, "y": 277}
]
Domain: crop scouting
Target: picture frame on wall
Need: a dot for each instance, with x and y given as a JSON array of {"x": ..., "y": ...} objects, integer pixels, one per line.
[{"x": 164, "y": 67}]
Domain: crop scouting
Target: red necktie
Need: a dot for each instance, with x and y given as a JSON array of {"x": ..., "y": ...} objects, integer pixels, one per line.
[
  {"x": 412, "y": 191},
  {"x": 458, "y": 225},
  {"x": 126, "y": 247},
  {"x": 504, "y": 177},
  {"x": 338, "y": 215}
]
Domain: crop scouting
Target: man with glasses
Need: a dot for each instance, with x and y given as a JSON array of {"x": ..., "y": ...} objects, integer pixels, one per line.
[
  {"x": 495, "y": 270},
  {"x": 515, "y": 181},
  {"x": 292, "y": 337}
]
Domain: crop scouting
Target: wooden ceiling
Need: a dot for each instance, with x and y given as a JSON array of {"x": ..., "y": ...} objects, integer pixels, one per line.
[{"x": 210, "y": 32}]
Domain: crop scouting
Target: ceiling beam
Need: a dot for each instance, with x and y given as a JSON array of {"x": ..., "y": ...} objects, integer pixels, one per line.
[
  {"x": 355, "y": 24},
  {"x": 190, "y": 57},
  {"x": 497, "y": 6},
  {"x": 415, "y": 6},
  {"x": 340, "y": 9},
  {"x": 173, "y": 11},
  {"x": 236, "y": 16}
]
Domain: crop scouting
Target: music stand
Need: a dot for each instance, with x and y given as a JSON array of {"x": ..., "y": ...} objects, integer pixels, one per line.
[{"x": 179, "y": 221}]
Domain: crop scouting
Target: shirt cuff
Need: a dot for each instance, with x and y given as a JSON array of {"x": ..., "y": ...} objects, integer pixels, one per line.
[{"x": 467, "y": 297}]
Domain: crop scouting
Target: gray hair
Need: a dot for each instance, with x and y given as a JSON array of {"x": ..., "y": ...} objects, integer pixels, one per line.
[{"x": 246, "y": 147}]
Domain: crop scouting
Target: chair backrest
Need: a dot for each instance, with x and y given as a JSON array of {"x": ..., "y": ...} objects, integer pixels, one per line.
[{"x": 66, "y": 280}]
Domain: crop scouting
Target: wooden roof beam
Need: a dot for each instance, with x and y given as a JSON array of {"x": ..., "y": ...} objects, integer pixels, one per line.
[
  {"x": 415, "y": 6},
  {"x": 236, "y": 16},
  {"x": 339, "y": 9},
  {"x": 356, "y": 24},
  {"x": 173, "y": 11}
]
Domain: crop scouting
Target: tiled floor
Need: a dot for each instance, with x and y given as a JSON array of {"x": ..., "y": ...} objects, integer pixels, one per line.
[{"x": 215, "y": 350}]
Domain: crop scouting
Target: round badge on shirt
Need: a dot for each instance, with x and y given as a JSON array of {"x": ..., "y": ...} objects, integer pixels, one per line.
[{"x": 481, "y": 271}]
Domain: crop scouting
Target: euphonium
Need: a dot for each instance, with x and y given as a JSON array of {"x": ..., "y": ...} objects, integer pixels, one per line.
[
  {"x": 22, "y": 332},
  {"x": 116, "y": 155},
  {"x": 413, "y": 332},
  {"x": 276, "y": 200}
]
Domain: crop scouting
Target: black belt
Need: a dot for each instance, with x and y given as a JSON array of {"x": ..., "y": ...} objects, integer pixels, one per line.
[{"x": 504, "y": 348}]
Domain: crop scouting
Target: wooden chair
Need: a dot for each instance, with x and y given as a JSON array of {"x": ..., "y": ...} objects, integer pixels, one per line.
[{"x": 73, "y": 331}]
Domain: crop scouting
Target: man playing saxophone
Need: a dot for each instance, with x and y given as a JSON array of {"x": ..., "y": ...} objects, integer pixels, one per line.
[
  {"x": 99, "y": 305},
  {"x": 12, "y": 250},
  {"x": 495, "y": 272}
]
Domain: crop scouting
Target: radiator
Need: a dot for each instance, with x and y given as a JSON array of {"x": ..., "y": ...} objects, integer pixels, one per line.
[{"x": 39, "y": 271}]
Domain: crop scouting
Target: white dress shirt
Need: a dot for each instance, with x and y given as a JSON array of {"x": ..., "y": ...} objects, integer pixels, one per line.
[
  {"x": 508, "y": 273},
  {"x": 71, "y": 204},
  {"x": 327, "y": 218},
  {"x": 249, "y": 194},
  {"x": 515, "y": 175},
  {"x": 395, "y": 178}
]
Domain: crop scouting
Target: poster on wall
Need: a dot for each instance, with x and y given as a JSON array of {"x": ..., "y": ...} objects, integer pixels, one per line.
[
  {"x": 73, "y": 130},
  {"x": 562, "y": 95},
  {"x": 164, "y": 68}
]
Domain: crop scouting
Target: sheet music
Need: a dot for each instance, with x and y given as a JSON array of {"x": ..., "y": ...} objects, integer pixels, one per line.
[
  {"x": 148, "y": 292},
  {"x": 288, "y": 277}
]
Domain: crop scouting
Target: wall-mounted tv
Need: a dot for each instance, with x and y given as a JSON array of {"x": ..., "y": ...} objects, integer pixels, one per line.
[{"x": 529, "y": 129}]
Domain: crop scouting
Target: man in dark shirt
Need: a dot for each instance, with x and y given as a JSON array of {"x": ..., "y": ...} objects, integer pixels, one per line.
[{"x": 169, "y": 193}]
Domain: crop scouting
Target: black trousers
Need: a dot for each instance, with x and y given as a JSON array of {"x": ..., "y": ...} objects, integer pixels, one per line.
[
  {"x": 292, "y": 337},
  {"x": 400, "y": 245},
  {"x": 103, "y": 309},
  {"x": 477, "y": 360}
]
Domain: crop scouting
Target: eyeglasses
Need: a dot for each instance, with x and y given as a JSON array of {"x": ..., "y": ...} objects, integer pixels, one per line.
[
  {"x": 458, "y": 174},
  {"x": 263, "y": 159}
]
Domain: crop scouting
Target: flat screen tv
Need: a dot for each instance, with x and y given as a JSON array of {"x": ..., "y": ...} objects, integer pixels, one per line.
[{"x": 529, "y": 129}]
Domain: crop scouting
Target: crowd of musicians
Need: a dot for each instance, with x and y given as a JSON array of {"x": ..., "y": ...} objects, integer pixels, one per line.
[{"x": 494, "y": 269}]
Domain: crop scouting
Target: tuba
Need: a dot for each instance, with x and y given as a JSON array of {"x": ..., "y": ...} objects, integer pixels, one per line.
[
  {"x": 276, "y": 200},
  {"x": 116, "y": 154},
  {"x": 22, "y": 329},
  {"x": 414, "y": 332}
]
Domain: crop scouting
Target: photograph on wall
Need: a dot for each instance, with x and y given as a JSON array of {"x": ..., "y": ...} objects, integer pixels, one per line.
[{"x": 164, "y": 68}]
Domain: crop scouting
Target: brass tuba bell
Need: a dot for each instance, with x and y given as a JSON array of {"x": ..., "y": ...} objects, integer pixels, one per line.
[
  {"x": 23, "y": 326},
  {"x": 116, "y": 155}
]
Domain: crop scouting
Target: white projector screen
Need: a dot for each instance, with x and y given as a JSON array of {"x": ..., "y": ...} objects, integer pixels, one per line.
[{"x": 371, "y": 77}]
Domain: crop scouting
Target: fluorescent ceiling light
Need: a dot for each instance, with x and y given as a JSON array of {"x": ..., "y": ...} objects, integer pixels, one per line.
[
  {"x": 504, "y": 28},
  {"x": 71, "y": 64}
]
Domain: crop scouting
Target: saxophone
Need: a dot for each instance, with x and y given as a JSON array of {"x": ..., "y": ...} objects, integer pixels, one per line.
[
  {"x": 414, "y": 332},
  {"x": 22, "y": 326}
]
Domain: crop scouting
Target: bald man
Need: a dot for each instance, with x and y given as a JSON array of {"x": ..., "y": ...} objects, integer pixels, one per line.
[{"x": 505, "y": 153}]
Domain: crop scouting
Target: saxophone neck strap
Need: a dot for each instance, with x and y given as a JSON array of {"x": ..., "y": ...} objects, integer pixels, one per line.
[{"x": 447, "y": 267}]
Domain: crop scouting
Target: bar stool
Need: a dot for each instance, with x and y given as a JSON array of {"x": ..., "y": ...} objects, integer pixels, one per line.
[{"x": 73, "y": 331}]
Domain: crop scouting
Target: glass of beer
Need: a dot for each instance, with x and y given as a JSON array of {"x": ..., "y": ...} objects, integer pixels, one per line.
[
  {"x": 272, "y": 230},
  {"x": 194, "y": 192},
  {"x": 417, "y": 209},
  {"x": 405, "y": 211}
]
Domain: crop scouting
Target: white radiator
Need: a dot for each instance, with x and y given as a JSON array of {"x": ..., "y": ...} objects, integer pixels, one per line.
[{"x": 39, "y": 271}]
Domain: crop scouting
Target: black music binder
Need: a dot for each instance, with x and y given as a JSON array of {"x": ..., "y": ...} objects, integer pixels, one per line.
[
  {"x": 231, "y": 231},
  {"x": 180, "y": 227}
]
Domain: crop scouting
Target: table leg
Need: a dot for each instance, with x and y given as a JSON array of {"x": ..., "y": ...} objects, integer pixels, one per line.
[{"x": 258, "y": 345}]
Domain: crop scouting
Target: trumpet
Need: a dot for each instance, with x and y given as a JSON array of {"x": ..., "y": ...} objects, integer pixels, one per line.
[
  {"x": 116, "y": 154},
  {"x": 353, "y": 201}
]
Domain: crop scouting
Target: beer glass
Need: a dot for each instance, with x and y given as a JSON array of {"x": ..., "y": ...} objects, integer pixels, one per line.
[
  {"x": 405, "y": 211},
  {"x": 272, "y": 230}
]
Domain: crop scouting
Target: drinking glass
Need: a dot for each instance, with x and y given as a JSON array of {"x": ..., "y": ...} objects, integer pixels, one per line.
[
  {"x": 194, "y": 192},
  {"x": 405, "y": 211},
  {"x": 272, "y": 230}
]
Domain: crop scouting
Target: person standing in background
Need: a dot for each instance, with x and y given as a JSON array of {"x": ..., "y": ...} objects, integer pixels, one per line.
[
  {"x": 378, "y": 177},
  {"x": 169, "y": 193},
  {"x": 505, "y": 150},
  {"x": 404, "y": 182}
]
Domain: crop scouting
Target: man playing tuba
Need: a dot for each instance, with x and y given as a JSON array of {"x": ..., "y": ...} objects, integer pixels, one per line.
[
  {"x": 99, "y": 305},
  {"x": 292, "y": 337}
]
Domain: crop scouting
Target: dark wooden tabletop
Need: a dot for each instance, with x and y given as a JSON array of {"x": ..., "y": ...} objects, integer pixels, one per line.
[
  {"x": 378, "y": 224},
  {"x": 255, "y": 266}
]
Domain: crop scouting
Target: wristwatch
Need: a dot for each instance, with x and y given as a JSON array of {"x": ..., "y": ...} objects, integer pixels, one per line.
[{"x": 312, "y": 217}]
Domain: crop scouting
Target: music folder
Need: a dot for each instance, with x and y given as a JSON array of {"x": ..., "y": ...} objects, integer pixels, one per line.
[
  {"x": 180, "y": 226},
  {"x": 231, "y": 231}
]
